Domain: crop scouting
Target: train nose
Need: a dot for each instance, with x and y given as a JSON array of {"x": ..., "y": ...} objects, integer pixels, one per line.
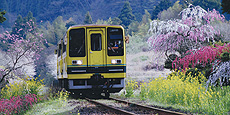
[{"x": 97, "y": 79}]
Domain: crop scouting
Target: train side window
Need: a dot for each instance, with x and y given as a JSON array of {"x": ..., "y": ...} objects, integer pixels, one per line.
[
  {"x": 115, "y": 42},
  {"x": 96, "y": 42},
  {"x": 64, "y": 43},
  {"x": 77, "y": 43},
  {"x": 64, "y": 47},
  {"x": 59, "y": 50}
]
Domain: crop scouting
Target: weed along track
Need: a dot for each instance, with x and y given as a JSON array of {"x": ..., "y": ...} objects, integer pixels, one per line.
[{"x": 118, "y": 106}]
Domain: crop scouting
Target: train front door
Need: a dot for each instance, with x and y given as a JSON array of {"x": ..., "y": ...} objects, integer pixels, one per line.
[{"x": 96, "y": 47}]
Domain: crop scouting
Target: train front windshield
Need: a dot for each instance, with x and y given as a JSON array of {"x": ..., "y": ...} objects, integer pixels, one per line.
[
  {"x": 77, "y": 42},
  {"x": 115, "y": 42}
]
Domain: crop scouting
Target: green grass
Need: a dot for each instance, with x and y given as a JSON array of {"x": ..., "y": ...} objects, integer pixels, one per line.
[{"x": 51, "y": 107}]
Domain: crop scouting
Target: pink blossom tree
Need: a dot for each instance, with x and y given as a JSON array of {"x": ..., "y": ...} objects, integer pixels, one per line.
[
  {"x": 203, "y": 56},
  {"x": 190, "y": 32},
  {"x": 20, "y": 51}
]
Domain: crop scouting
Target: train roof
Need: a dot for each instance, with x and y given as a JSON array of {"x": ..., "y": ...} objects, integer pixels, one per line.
[{"x": 95, "y": 25}]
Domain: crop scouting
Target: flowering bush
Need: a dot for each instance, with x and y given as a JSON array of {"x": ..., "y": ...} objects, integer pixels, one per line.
[
  {"x": 202, "y": 56},
  {"x": 130, "y": 86},
  {"x": 15, "y": 105},
  {"x": 20, "y": 96},
  {"x": 23, "y": 87},
  {"x": 188, "y": 75},
  {"x": 187, "y": 93}
]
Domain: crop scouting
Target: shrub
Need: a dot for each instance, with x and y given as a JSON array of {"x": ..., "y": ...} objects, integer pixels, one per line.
[
  {"x": 203, "y": 56},
  {"x": 19, "y": 96},
  {"x": 18, "y": 104},
  {"x": 187, "y": 92},
  {"x": 225, "y": 56},
  {"x": 168, "y": 62},
  {"x": 131, "y": 85},
  {"x": 192, "y": 73},
  {"x": 22, "y": 87}
]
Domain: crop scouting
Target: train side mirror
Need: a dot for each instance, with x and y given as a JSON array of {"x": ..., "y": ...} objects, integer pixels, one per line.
[
  {"x": 127, "y": 39},
  {"x": 55, "y": 51}
]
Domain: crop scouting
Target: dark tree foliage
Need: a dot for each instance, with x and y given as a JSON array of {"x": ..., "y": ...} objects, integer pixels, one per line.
[
  {"x": 88, "y": 19},
  {"x": 126, "y": 15},
  {"x": 41, "y": 67},
  {"x": 169, "y": 60},
  {"x": 2, "y": 18},
  {"x": 23, "y": 24},
  {"x": 48, "y": 10},
  {"x": 116, "y": 21},
  {"x": 3, "y": 5},
  {"x": 225, "y": 6},
  {"x": 208, "y": 4},
  {"x": 23, "y": 6},
  {"x": 163, "y": 5},
  {"x": 71, "y": 23},
  {"x": 185, "y": 3}
]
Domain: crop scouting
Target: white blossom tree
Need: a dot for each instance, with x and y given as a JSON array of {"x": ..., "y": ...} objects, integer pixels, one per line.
[
  {"x": 221, "y": 73},
  {"x": 192, "y": 31}
]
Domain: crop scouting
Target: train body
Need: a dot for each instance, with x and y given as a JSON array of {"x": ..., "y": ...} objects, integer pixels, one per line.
[{"x": 92, "y": 59}]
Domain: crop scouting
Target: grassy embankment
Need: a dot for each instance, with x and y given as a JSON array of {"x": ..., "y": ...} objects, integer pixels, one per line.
[{"x": 182, "y": 92}]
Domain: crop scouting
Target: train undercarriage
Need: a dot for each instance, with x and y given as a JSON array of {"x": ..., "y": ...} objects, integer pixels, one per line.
[{"x": 95, "y": 86}]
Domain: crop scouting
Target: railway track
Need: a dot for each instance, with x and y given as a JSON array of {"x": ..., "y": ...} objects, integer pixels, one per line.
[{"x": 128, "y": 108}]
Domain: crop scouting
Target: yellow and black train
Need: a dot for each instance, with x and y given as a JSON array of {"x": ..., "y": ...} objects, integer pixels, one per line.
[{"x": 92, "y": 60}]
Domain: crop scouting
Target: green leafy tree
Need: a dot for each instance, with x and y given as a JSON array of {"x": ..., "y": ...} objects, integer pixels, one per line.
[
  {"x": 71, "y": 23},
  {"x": 133, "y": 28},
  {"x": 126, "y": 15},
  {"x": 146, "y": 18},
  {"x": 171, "y": 12},
  {"x": 2, "y": 19},
  {"x": 88, "y": 19},
  {"x": 18, "y": 27},
  {"x": 116, "y": 21},
  {"x": 208, "y": 4},
  {"x": 42, "y": 67},
  {"x": 53, "y": 31},
  {"x": 107, "y": 22},
  {"x": 225, "y": 6},
  {"x": 30, "y": 17},
  {"x": 22, "y": 25},
  {"x": 3, "y": 5},
  {"x": 163, "y": 5},
  {"x": 59, "y": 27},
  {"x": 144, "y": 25}
]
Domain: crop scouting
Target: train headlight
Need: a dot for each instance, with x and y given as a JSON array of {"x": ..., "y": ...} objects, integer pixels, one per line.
[
  {"x": 113, "y": 61},
  {"x": 77, "y": 62},
  {"x": 116, "y": 61}
]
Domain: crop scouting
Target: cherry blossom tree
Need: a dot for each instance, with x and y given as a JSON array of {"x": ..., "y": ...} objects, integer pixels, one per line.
[
  {"x": 20, "y": 51},
  {"x": 190, "y": 32}
]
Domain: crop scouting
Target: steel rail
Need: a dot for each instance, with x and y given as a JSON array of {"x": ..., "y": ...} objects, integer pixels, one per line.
[
  {"x": 123, "y": 112},
  {"x": 157, "y": 110}
]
